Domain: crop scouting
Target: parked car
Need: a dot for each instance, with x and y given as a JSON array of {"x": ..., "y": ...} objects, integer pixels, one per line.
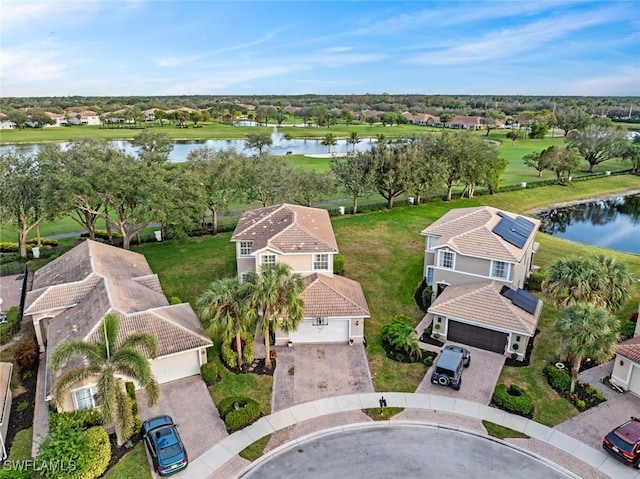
[
  {"x": 163, "y": 442},
  {"x": 624, "y": 442},
  {"x": 447, "y": 371}
]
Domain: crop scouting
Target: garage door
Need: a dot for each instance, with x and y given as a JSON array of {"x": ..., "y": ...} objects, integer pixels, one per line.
[
  {"x": 337, "y": 331},
  {"x": 177, "y": 366},
  {"x": 476, "y": 336}
]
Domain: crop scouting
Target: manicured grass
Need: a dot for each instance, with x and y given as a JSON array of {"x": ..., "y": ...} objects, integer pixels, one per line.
[
  {"x": 21, "y": 446},
  {"x": 501, "y": 432},
  {"x": 133, "y": 464},
  {"x": 255, "y": 450},
  {"x": 387, "y": 413},
  {"x": 257, "y": 387}
]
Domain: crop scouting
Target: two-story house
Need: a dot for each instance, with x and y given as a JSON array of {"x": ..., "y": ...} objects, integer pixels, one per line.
[
  {"x": 301, "y": 237},
  {"x": 477, "y": 261}
]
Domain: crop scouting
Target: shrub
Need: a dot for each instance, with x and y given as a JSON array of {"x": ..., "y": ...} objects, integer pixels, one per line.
[
  {"x": 247, "y": 351},
  {"x": 12, "y": 325},
  {"x": 400, "y": 336},
  {"x": 558, "y": 379},
  {"x": 131, "y": 392},
  {"x": 14, "y": 473},
  {"x": 513, "y": 399},
  {"x": 427, "y": 293},
  {"x": 238, "y": 412},
  {"x": 338, "y": 264},
  {"x": 209, "y": 373},
  {"x": 74, "y": 421},
  {"x": 229, "y": 356},
  {"x": 27, "y": 355},
  {"x": 7, "y": 247},
  {"x": 175, "y": 300},
  {"x": 428, "y": 361},
  {"x": 634, "y": 317},
  {"x": 534, "y": 283},
  {"x": 627, "y": 328}
]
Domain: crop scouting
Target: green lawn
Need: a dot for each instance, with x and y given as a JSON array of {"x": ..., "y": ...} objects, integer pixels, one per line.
[{"x": 133, "y": 465}]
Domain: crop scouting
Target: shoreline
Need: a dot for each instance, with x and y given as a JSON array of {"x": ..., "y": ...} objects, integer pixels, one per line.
[{"x": 564, "y": 204}]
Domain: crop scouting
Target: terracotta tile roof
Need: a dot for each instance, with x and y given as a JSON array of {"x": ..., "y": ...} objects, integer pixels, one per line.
[
  {"x": 333, "y": 296},
  {"x": 482, "y": 302},
  {"x": 466, "y": 120},
  {"x": 59, "y": 296},
  {"x": 630, "y": 349},
  {"x": 5, "y": 384},
  {"x": 470, "y": 232},
  {"x": 288, "y": 229}
]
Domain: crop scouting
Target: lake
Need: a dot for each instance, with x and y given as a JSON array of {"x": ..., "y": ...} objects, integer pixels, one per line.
[
  {"x": 611, "y": 223},
  {"x": 281, "y": 146}
]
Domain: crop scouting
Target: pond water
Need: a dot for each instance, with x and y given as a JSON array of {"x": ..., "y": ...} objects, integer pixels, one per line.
[
  {"x": 611, "y": 223},
  {"x": 281, "y": 146}
]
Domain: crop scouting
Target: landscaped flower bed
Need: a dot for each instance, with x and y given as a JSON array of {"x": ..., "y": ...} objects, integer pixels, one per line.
[{"x": 584, "y": 397}]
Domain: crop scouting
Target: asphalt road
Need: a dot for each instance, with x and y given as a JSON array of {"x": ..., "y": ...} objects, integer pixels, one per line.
[{"x": 409, "y": 451}]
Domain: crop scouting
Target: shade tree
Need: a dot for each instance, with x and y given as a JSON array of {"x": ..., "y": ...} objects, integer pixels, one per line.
[
  {"x": 354, "y": 175},
  {"x": 597, "y": 143}
]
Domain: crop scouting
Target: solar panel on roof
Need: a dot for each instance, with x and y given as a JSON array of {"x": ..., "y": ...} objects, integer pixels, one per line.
[
  {"x": 521, "y": 298},
  {"x": 513, "y": 231}
]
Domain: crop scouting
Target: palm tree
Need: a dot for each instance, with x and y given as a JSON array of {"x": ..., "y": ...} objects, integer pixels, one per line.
[
  {"x": 109, "y": 361},
  {"x": 329, "y": 140},
  {"x": 353, "y": 139},
  {"x": 276, "y": 294},
  {"x": 587, "y": 332},
  {"x": 600, "y": 281},
  {"x": 224, "y": 311}
]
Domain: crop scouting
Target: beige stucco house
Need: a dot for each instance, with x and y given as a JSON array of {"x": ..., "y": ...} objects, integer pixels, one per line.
[
  {"x": 301, "y": 237},
  {"x": 72, "y": 294},
  {"x": 626, "y": 363},
  {"x": 5, "y": 404},
  {"x": 477, "y": 261}
]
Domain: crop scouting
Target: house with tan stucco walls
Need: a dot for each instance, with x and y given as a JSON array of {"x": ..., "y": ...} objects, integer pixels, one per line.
[
  {"x": 626, "y": 363},
  {"x": 302, "y": 237},
  {"x": 477, "y": 261},
  {"x": 71, "y": 295}
]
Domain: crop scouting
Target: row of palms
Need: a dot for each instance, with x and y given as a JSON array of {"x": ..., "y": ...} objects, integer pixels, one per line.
[
  {"x": 228, "y": 308},
  {"x": 353, "y": 139},
  {"x": 588, "y": 291}
]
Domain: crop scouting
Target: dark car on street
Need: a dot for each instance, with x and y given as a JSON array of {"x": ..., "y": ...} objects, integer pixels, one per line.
[
  {"x": 624, "y": 442},
  {"x": 163, "y": 442}
]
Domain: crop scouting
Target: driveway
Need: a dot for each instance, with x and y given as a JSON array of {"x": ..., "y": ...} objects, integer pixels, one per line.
[
  {"x": 306, "y": 372},
  {"x": 478, "y": 380},
  {"x": 190, "y": 405},
  {"x": 593, "y": 424}
]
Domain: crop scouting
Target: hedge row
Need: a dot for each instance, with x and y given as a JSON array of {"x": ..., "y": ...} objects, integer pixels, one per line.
[
  {"x": 238, "y": 412},
  {"x": 513, "y": 399},
  {"x": 11, "y": 327}
]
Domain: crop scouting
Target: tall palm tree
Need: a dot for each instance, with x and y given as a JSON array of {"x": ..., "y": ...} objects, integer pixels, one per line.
[
  {"x": 600, "y": 281},
  {"x": 587, "y": 332},
  {"x": 224, "y": 311},
  {"x": 353, "y": 139},
  {"x": 276, "y": 294},
  {"x": 110, "y": 362},
  {"x": 329, "y": 140}
]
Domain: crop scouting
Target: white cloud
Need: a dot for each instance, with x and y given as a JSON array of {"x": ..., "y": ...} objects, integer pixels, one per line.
[
  {"x": 29, "y": 66},
  {"x": 622, "y": 83},
  {"x": 18, "y": 13}
]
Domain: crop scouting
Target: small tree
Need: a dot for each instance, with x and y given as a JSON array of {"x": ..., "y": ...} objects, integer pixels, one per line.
[
  {"x": 258, "y": 141},
  {"x": 329, "y": 140}
]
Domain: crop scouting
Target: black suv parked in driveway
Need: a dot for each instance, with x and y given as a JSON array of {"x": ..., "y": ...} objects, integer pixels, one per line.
[
  {"x": 447, "y": 371},
  {"x": 624, "y": 442}
]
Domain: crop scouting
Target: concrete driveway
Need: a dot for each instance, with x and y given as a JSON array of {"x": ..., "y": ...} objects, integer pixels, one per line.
[
  {"x": 190, "y": 405},
  {"x": 478, "y": 380},
  {"x": 593, "y": 424},
  {"x": 306, "y": 372}
]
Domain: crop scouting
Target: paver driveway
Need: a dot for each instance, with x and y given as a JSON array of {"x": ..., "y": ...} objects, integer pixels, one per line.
[
  {"x": 190, "y": 405},
  {"x": 307, "y": 372},
  {"x": 478, "y": 380}
]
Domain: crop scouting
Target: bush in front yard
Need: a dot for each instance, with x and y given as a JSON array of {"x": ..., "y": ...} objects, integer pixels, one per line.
[
  {"x": 513, "y": 399},
  {"x": 558, "y": 379},
  {"x": 400, "y": 340},
  {"x": 238, "y": 412},
  {"x": 209, "y": 372},
  {"x": 12, "y": 325}
]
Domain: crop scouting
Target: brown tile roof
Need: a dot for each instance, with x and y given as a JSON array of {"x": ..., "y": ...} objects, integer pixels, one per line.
[
  {"x": 333, "y": 296},
  {"x": 470, "y": 232},
  {"x": 482, "y": 302},
  {"x": 630, "y": 349},
  {"x": 466, "y": 120},
  {"x": 288, "y": 229},
  {"x": 5, "y": 385}
]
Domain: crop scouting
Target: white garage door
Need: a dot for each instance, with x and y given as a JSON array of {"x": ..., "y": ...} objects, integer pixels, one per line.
[
  {"x": 178, "y": 366},
  {"x": 634, "y": 382},
  {"x": 337, "y": 331}
]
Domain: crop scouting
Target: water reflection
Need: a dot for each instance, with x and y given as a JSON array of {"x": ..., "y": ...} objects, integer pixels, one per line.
[{"x": 612, "y": 223}]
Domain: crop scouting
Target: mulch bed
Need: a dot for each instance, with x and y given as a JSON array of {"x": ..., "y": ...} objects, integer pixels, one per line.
[
  {"x": 22, "y": 419},
  {"x": 257, "y": 367},
  {"x": 118, "y": 451}
]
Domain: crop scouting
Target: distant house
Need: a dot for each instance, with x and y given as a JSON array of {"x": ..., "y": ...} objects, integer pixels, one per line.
[
  {"x": 301, "y": 237},
  {"x": 477, "y": 261},
  {"x": 72, "y": 294},
  {"x": 5, "y": 404},
  {"x": 420, "y": 118},
  {"x": 626, "y": 363},
  {"x": 60, "y": 120},
  {"x": 84, "y": 117}
]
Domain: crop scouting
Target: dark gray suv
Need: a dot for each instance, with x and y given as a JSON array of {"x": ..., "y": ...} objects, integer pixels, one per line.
[{"x": 447, "y": 371}]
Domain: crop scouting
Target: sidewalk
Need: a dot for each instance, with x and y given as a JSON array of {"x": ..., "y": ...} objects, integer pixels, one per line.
[{"x": 221, "y": 461}]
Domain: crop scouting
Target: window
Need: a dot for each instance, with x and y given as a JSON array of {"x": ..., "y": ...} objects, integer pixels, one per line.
[
  {"x": 86, "y": 398},
  {"x": 320, "y": 262},
  {"x": 500, "y": 269},
  {"x": 446, "y": 259},
  {"x": 267, "y": 259},
  {"x": 245, "y": 248},
  {"x": 429, "y": 275},
  {"x": 320, "y": 321},
  {"x": 431, "y": 241}
]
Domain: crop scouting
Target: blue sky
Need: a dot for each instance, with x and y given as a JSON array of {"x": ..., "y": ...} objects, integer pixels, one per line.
[{"x": 136, "y": 47}]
